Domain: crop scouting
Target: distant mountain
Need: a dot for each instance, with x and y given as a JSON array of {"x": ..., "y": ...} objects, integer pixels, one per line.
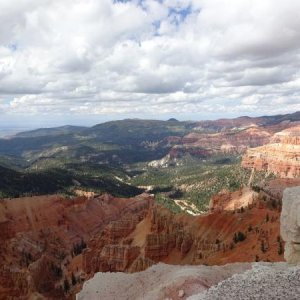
[
  {"x": 123, "y": 141},
  {"x": 246, "y": 121},
  {"x": 135, "y": 131},
  {"x": 127, "y": 139},
  {"x": 50, "y": 131},
  {"x": 281, "y": 118}
]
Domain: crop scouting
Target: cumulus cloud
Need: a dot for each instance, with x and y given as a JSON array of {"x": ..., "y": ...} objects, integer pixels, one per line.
[{"x": 147, "y": 57}]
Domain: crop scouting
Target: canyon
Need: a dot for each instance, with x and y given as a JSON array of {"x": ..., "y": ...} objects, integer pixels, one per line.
[
  {"x": 259, "y": 280},
  {"x": 228, "y": 137},
  {"x": 51, "y": 244}
]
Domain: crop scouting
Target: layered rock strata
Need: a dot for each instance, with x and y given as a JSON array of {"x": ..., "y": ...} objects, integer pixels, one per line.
[
  {"x": 228, "y": 142},
  {"x": 281, "y": 156}
]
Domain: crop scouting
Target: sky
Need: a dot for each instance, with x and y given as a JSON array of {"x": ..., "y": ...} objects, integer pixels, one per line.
[{"x": 87, "y": 61}]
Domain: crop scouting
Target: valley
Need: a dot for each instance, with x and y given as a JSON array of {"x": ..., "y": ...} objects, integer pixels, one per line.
[{"x": 181, "y": 160}]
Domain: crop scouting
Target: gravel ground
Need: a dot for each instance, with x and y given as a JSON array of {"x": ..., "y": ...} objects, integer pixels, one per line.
[{"x": 278, "y": 281}]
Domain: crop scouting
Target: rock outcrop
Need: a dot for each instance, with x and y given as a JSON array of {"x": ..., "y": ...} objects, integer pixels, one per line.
[
  {"x": 281, "y": 156},
  {"x": 230, "y": 201},
  {"x": 159, "y": 282},
  {"x": 168, "y": 233},
  {"x": 110, "y": 250},
  {"x": 232, "y": 281},
  {"x": 290, "y": 224}
]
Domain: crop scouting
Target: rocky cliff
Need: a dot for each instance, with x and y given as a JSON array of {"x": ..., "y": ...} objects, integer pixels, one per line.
[
  {"x": 281, "y": 156},
  {"x": 42, "y": 239},
  {"x": 221, "y": 137},
  {"x": 233, "y": 141}
]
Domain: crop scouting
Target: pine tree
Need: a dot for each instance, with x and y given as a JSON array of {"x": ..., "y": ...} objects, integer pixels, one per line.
[
  {"x": 280, "y": 248},
  {"x": 262, "y": 246},
  {"x": 66, "y": 286},
  {"x": 267, "y": 218},
  {"x": 74, "y": 281}
]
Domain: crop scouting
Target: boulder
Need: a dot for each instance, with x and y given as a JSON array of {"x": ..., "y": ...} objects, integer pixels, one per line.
[{"x": 290, "y": 224}]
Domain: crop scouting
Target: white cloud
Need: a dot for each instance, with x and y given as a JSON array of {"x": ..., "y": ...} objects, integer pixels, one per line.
[{"x": 149, "y": 57}]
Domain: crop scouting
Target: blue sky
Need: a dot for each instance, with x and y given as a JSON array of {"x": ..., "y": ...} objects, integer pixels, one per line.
[{"x": 85, "y": 62}]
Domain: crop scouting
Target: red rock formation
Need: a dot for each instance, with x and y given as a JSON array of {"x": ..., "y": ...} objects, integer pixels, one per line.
[
  {"x": 125, "y": 235},
  {"x": 13, "y": 283},
  {"x": 168, "y": 233},
  {"x": 226, "y": 200},
  {"x": 184, "y": 239},
  {"x": 109, "y": 251},
  {"x": 43, "y": 277},
  {"x": 225, "y": 136},
  {"x": 38, "y": 235},
  {"x": 230, "y": 141},
  {"x": 281, "y": 156}
]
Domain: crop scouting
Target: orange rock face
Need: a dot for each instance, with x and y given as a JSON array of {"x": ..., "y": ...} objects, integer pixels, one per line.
[
  {"x": 38, "y": 235},
  {"x": 111, "y": 250},
  {"x": 281, "y": 156}
]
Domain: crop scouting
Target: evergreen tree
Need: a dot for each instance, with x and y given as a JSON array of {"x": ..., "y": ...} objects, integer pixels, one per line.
[
  {"x": 280, "y": 248},
  {"x": 267, "y": 218},
  {"x": 73, "y": 278},
  {"x": 262, "y": 247},
  {"x": 66, "y": 286}
]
